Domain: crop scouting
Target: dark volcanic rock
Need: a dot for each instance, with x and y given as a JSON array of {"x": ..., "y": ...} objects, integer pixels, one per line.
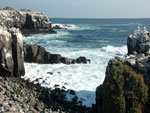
[
  {"x": 11, "y": 53},
  {"x": 82, "y": 60},
  {"x": 59, "y": 26},
  {"x": 37, "y": 54},
  {"x": 34, "y": 53}
]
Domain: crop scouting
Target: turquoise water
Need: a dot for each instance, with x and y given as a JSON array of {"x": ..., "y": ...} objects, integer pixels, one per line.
[{"x": 97, "y": 39}]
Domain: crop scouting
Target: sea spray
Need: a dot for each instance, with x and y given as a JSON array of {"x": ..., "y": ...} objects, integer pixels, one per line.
[{"x": 92, "y": 38}]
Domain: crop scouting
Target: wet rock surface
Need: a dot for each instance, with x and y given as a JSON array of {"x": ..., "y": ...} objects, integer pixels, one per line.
[{"x": 38, "y": 54}]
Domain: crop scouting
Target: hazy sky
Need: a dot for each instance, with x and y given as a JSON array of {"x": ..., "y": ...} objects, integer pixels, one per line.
[{"x": 85, "y": 8}]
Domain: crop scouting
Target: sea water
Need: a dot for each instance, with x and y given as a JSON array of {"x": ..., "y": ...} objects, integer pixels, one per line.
[{"x": 97, "y": 39}]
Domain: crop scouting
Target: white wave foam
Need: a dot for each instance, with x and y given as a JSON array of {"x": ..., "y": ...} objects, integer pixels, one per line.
[
  {"x": 89, "y": 27},
  {"x": 65, "y": 26},
  {"x": 83, "y": 78},
  {"x": 115, "y": 50},
  {"x": 98, "y": 41}
]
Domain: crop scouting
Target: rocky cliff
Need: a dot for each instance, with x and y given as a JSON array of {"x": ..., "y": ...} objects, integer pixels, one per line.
[
  {"x": 28, "y": 22},
  {"x": 11, "y": 52},
  {"x": 126, "y": 86}
]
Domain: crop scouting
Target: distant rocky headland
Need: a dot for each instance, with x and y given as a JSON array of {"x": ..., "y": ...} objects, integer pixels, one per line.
[{"x": 27, "y": 21}]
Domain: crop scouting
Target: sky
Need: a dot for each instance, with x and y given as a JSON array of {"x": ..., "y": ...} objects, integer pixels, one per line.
[{"x": 84, "y": 8}]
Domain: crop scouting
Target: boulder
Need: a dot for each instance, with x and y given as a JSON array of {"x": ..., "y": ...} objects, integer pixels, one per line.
[
  {"x": 37, "y": 54},
  {"x": 58, "y": 27},
  {"x": 11, "y": 53},
  {"x": 82, "y": 60},
  {"x": 34, "y": 53}
]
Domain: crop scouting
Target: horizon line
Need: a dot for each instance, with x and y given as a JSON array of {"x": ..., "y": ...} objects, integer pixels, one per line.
[{"x": 99, "y": 18}]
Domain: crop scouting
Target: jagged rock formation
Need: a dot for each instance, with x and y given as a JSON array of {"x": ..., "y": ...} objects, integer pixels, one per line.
[
  {"x": 139, "y": 48},
  {"x": 139, "y": 42},
  {"x": 11, "y": 53},
  {"x": 127, "y": 78},
  {"x": 37, "y": 54},
  {"x": 28, "y": 22}
]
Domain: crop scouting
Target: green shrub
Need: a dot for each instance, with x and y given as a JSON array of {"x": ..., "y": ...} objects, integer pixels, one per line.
[{"x": 124, "y": 90}]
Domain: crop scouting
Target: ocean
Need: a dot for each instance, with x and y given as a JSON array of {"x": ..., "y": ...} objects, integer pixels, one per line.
[{"x": 97, "y": 39}]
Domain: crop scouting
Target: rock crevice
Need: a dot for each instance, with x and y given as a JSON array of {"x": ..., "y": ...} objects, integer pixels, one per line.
[{"x": 11, "y": 53}]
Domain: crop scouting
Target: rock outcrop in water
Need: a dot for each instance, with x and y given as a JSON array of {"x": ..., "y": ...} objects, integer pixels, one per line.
[
  {"x": 126, "y": 86},
  {"x": 139, "y": 42},
  {"x": 60, "y": 26},
  {"x": 28, "y": 22},
  {"x": 37, "y": 54},
  {"x": 11, "y": 53}
]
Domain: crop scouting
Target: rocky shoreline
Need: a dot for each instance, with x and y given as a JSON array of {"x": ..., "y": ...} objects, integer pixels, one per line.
[
  {"x": 125, "y": 88},
  {"x": 19, "y": 95},
  {"x": 28, "y": 22}
]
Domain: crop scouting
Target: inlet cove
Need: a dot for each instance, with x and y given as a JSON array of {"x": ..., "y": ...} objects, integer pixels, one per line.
[{"x": 73, "y": 65}]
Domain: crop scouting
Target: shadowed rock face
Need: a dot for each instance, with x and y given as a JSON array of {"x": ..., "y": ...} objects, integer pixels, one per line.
[
  {"x": 37, "y": 20},
  {"x": 37, "y": 54},
  {"x": 11, "y": 53},
  {"x": 28, "y": 22}
]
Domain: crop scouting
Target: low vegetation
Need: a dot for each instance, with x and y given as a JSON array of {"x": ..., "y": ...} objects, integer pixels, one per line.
[{"x": 124, "y": 90}]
